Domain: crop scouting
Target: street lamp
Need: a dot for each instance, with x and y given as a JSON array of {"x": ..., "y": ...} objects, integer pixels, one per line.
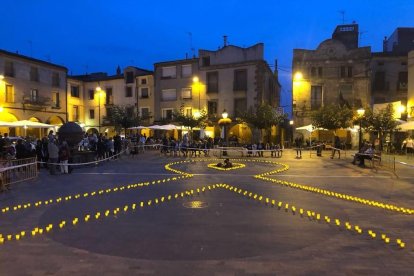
[
  {"x": 361, "y": 112},
  {"x": 224, "y": 121},
  {"x": 197, "y": 84},
  {"x": 99, "y": 91}
]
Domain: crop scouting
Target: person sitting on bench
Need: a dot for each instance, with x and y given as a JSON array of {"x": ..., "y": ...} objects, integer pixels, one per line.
[{"x": 366, "y": 152}]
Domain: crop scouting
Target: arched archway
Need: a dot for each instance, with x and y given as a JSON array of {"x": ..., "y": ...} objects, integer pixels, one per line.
[
  {"x": 34, "y": 132},
  {"x": 55, "y": 120},
  {"x": 240, "y": 133},
  {"x": 92, "y": 130},
  {"x": 8, "y": 117}
]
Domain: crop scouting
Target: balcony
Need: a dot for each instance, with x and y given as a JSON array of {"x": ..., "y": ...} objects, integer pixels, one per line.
[{"x": 36, "y": 102}]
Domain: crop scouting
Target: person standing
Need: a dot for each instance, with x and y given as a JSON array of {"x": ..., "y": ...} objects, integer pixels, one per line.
[
  {"x": 298, "y": 145},
  {"x": 64, "y": 154},
  {"x": 20, "y": 150},
  {"x": 53, "y": 151},
  {"x": 336, "y": 147}
]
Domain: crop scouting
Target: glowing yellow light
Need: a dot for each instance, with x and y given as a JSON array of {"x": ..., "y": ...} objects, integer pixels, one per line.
[
  {"x": 195, "y": 79},
  {"x": 298, "y": 76},
  {"x": 361, "y": 112}
]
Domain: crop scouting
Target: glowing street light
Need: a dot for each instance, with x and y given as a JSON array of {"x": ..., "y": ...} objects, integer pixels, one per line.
[
  {"x": 298, "y": 76},
  {"x": 361, "y": 112},
  {"x": 100, "y": 93},
  {"x": 196, "y": 83}
]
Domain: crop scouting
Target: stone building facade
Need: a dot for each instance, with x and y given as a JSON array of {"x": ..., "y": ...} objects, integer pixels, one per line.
[
  {"x": 231, "y": 79},
  {"x": 337, "y": 72},
  {"x": 31, "y": 89}
]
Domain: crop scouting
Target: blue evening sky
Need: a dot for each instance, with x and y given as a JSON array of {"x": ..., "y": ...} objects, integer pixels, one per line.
[{"x": 90, "y": 36}]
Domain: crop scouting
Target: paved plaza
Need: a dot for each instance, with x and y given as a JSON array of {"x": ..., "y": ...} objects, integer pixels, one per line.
[{"x": 157, "y": 215}]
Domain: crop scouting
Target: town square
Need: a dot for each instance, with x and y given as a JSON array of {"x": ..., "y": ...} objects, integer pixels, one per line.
[{"x": 207, "y": 138}]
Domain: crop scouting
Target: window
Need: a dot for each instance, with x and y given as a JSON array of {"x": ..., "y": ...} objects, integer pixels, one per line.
[
  {"x": 240, "y": 106},
  {"x": 34, "y": 74},
  {"x": 128, "y": 91},
  {"x": 168, "y": 95},
  {"x": 402, "y": 80},
  {"x": 91, "y": 93},
  {"x": 129, "y": 78},
  {"x": 212, "y": 82},
  {"x": 34, "y": 95},
  {"x": 144, "y": 81},
  {"x": 169, "y": 72},
  {"x": 343, "y": 72},
  {"x": 240, "y": 80},
  {"x": 313, "y": 72},
  {"x": 144, "y": 92},
  {"x": 346, "y": 72},
  {"x": 91, "y": 113},
  {"x": 379, "y": 81},
  {"x": 346, "y": 96},
  {"x": 56, "y": 99},
  {"x": 9, "y": 94},
  {"x": 186, "y": 71},
  {"x": 55, "y": 79},
  {"x": 350, "y": 74},
  {"x": 74, "y": 91},
  {"x": 75, "y": 114},
  {"x": 205, "y": 61},
  {"x": 186, "y": 93},
  {"x": 145, "y": 112},
  {"x": 188, "y": 111},
  {"x": 9, "y": 69},
  {"x": 167, "y": 114},
  {"x": 320, "y": 72},
  {"x": 109, "y": 97},
  {"x": 316, "y": 97},
  {"x": 212, "y": 107},
  {"x": 130, "y": 111}
]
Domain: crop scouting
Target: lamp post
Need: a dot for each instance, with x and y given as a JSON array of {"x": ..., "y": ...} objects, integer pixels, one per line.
[
  {"x": 99, "y": 90},
  {"x": 224, "y": 121},
  {"x": 197, "y": 84},
  {"x": 291, "y": 122},
  {"x": 361, "y": 112}
]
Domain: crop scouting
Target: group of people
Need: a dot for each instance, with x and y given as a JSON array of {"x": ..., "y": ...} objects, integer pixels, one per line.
[{"x": 103, "y": 145}]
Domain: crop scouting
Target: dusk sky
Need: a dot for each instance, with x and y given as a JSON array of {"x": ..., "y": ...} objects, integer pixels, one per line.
[{"x": 91, "y": 36}]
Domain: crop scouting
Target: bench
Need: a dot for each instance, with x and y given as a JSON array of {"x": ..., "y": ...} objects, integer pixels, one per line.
[{"x": 373, "y": 158}]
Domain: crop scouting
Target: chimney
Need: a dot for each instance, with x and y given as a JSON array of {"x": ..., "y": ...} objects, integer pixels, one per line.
[
  {"x": 224, "y": 40},
  {"x": 385, "y": 44}
]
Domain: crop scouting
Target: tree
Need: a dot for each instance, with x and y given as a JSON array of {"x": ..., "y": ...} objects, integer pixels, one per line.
[
  {"x": 332, "y": 117},
  {"x": 382, "y": 121},
  {"x": 263, "y": 118},
  {"x": 190, "y": 121},
  {"x": 122, "y": 117}
]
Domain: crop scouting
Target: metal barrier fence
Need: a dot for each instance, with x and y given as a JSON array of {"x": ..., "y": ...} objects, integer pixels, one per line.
[{"x": 17, "y": 170}]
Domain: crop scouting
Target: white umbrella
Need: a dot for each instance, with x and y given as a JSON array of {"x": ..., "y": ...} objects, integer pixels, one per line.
[
  {"x": 310, "y": 128},
  {"x": 168, "y": 127},
  {"x": 6, "y": 124},
  {"x": 407, "y": 126},
  {"x": 154, "y": 127},
  {"x": 138, "y": 127},
  {"x": 27, "y": 123}
]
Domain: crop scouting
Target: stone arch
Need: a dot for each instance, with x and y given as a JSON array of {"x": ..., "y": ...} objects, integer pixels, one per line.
[
  {"x": 242, "y": 132},
  {"x": 35, "y": 119},
  {"x": 92, "y": 130},
  {"x": 55, "y": 120},
  {"x": 8, "y": 117}
]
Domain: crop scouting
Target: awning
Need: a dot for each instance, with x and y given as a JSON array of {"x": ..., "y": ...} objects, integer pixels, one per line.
[
  {"x": 138, "y": 127},
  {"x": 27, "y": 123},
  {"x": 310, "y": 128},
  {"x": 407, "y": 126}
]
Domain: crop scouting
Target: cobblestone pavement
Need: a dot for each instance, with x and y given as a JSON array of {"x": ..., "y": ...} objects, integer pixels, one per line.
[{"x": 311, "y": 216}]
